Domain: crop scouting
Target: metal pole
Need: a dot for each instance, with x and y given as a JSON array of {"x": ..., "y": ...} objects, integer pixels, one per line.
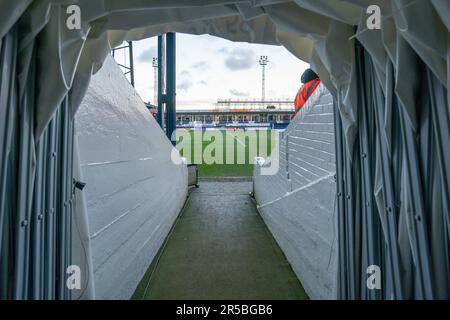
[
  {"x": 263, "y": 61},
  {"x": 155, "y": 81},
  {"x": 171, "y": 85},
  {"x": 130, "y": 48},
  {"x": 160, "y": 80}
]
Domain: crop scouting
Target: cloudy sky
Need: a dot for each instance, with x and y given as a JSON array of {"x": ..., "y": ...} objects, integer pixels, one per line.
[{"x": 210, "y": 68}]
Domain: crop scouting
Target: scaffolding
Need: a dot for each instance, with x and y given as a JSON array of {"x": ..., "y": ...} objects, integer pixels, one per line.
[{"x": 127, "y": 66}]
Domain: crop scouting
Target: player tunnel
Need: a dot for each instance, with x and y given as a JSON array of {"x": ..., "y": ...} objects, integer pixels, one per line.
[{"x": 388, "y": 92}]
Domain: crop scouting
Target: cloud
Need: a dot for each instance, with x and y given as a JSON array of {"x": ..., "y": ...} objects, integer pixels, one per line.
[
  {"x": 200, "y": 66},
  {"x": 238, "y": 93},
  {"x": 273, "y": 93},
  {"x": 184, "y": 85},
  {"x": 184, "y": 82},
  {"x": 148, "y": 54},
  {"x": 238, "y": 59},
  {"x": 203, "y": 83},
  {"x": 223, "y": 50},
  {"x": 184, "y": 74}
]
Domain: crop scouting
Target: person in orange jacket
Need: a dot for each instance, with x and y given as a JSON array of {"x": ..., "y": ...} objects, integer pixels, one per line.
[{"x": 310, "y": 81}]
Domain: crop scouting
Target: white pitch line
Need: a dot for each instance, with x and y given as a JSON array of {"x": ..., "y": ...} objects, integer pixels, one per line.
[{"x": 235, "y": 138}]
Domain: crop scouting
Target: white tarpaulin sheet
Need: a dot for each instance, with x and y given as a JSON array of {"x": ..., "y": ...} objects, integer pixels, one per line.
[
  {"x": 133, "y": 190},
  {"x": 297, "y": 203}
]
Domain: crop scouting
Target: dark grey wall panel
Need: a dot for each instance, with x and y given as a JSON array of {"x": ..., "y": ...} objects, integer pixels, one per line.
[
  {"x": 393, "y": 192},
  {"x": 36, "y": 185}
]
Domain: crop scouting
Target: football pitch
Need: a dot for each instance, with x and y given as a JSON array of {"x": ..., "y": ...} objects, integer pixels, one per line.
[{"x": 224, "y": 153}]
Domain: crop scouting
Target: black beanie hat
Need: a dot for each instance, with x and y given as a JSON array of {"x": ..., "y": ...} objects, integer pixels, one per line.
[{"x": 308, "y": 75}]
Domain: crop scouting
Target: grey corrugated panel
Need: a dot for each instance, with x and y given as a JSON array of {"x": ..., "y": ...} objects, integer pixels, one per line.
[
  {"x": 49, "y": 215},
  {"x": 351, "y": 194},
  {"x": 341, "y": 234},
  {"x": 64, "y": 184},
  {"x": 349, "y": 250},
  {"x": 60, "y": 205},
  {"x": 45, "y": 189},
  {"x": 412, "y": 188},
  {"x": 436, "y": 105},
  {"x": 26, "y": 172},
  {"x": 7, "y": 110},
  {"x": 30, "y": 185},
  {"x": 370, "y": 223},
  {"x": 389, "y": 210},
  {"x": 7, "y": 58},
  {"x": 9, "y": 161},
  {"x": 63, "y": 205},
  {"x": 415, "y": 194},
  {"x": 70, "y": 193},
  {"x": 427, "y": 167},
  {"x": 35, "y": 290},
  {"x": 37, "y": 231}
]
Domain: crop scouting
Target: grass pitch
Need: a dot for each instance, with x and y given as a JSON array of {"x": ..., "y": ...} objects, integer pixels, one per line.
[{"x": 224, "y": 153}]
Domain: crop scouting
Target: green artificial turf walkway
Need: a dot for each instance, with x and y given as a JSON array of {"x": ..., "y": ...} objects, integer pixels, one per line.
[{"x": 220, "y": 248}]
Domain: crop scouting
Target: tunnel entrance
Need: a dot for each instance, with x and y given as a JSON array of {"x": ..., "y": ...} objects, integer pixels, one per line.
[
  {"x": 225, "y": 110},
  {"x": 256, "y": 169},
  {"x": 389, "y": 88},
  {"x": 219, "y": 246}
]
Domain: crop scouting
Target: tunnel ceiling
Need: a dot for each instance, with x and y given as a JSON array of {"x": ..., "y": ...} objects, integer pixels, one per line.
[{"x": 321, "y": 32}]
